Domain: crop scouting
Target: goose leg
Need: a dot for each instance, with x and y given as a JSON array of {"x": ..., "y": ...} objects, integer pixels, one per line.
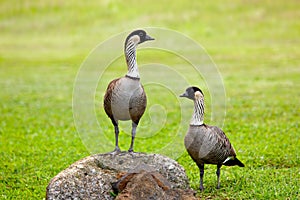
[
  {"x": 117, "y": 149},
  {"x": 133, "y": 132},
  {"x": 218, "y": 172},
  {"x": 201, "y": 169}
]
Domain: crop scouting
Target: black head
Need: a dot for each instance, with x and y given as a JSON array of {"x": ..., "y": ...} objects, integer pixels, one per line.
[
  {"x": 142, "y": 36},
  {"x": 190, "y": 92}
]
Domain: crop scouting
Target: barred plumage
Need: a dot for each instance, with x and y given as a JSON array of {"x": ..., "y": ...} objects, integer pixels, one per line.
[
  {"x": 125, "y": 98},
  {"x": 207, "y": 144}
]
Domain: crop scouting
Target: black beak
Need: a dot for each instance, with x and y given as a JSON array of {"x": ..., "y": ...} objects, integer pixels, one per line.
[
  {"x": 147, "y": 37},
  {"x": 184, "y": 95}
]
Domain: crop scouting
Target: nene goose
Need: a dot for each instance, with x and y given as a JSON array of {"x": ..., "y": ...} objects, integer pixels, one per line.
[
  {"x": 207, "y": 144},
  {"x": 125, "y": 98}
]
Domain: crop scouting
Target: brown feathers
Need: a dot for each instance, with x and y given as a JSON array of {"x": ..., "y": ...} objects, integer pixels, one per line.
[
  {"x": 208, "y": 145},
  {"x": 107, "y": 99}
]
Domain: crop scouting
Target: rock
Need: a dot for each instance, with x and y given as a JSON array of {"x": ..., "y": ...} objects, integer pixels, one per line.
[
  {"x": 82, "y": 180},
  {"x": 91, "y": 177},
  {"x": 149, "y": 185}
]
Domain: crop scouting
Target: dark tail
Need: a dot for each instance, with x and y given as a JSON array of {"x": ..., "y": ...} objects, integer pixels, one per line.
[{"x": 234, "y": 162}]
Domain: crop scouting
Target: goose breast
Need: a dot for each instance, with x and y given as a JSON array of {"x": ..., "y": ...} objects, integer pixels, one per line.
[{"x": 126, "y": 95}]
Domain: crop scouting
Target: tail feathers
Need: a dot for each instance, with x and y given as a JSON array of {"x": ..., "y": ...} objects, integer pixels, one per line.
[{"x": 232, "y": 162}]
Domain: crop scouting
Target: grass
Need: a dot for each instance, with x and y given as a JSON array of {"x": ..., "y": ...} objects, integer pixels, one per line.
[{"x": 254, "y": 43}]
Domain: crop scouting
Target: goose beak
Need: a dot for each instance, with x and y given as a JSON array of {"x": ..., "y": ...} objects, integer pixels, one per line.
[
  {"x": 147, "y": 37},
  {"x": 183, "y": 95}
]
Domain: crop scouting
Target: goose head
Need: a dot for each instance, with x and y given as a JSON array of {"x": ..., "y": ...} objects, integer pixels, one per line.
[
  {"x": 193, "y": 93},
  {"x": 138, "y": 37}
]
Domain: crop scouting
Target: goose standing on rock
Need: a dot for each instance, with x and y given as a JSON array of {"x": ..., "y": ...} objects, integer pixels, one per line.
[
  {"x": 207, "y": 144},
  {"x": 125, "y": 98}
]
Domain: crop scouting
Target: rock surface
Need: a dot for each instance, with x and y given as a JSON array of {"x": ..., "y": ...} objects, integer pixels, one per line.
[
  {"x": 149, "y": 185},
  {"x": 92, "y": 177}
]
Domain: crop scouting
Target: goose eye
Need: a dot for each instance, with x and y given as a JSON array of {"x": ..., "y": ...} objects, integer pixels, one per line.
[{"x": 141, "y": 34}]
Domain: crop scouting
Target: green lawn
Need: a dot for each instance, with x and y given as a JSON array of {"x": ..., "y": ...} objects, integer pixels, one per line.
[{"x": 255, "y": 45}]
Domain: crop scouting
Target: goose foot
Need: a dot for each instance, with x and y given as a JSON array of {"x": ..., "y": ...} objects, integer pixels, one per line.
[{"x": 130, "y": 150}]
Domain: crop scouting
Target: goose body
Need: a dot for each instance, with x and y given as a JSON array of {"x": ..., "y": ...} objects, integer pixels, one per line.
[
  {"x": 125, "y": 98},
  {"x": 207, "y": 144}
]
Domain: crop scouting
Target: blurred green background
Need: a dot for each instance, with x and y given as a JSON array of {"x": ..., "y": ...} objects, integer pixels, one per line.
[{"x": 255, "y": 45}]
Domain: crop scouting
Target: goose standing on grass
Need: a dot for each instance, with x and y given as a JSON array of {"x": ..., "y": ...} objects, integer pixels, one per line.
[
  {"x": 207, "y": 144},
  {"x": 125, "y": 98}
]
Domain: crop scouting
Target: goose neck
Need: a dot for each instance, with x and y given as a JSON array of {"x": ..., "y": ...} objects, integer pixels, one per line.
[
  {"x": 198, "y": 115},
  {"x": 130, "y": 54}
]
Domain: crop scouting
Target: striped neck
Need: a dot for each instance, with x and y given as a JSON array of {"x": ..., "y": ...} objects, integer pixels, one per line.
[
  {"x": 198, "y": 115},
  {"x": 130, "y": 54}
]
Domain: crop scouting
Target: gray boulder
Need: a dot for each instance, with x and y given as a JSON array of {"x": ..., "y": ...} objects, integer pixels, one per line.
[{"x": 92, "y": 177}]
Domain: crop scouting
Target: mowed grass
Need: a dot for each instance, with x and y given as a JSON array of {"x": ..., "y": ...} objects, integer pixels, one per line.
[{"x": 255, "y": 45}]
